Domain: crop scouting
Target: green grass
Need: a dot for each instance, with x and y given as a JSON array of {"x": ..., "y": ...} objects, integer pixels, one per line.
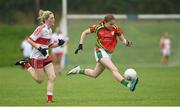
[
  {"x": 144, "y": 34},
  {"x": 157, "y": 86},
  {"x": 11, "y": 38}
]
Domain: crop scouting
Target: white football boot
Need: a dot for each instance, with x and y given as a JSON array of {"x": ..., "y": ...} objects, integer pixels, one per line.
[{"x": 75, "y": 70}]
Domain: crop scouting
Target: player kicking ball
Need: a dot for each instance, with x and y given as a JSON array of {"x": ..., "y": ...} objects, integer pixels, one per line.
[{"x": 106, "y": 33}]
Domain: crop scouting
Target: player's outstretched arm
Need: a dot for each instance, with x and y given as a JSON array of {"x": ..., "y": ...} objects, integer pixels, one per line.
[
  {"x": 125, "y": 41},
  {"x": 56, "y": 44},
  {"x": 33, "y": 43},
  {"x": 82, "y": 38}
]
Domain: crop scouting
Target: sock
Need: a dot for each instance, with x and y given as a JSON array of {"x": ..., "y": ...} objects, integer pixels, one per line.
[
  {"x": 27, "y": 66},
  {"x": 125, "y": 82},
  {"x": 81, "y": 71},
  {"x": 49, "y": 98}
]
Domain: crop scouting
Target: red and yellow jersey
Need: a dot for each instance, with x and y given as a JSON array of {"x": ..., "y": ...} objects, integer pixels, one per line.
[{"x": 106, "y": 38}]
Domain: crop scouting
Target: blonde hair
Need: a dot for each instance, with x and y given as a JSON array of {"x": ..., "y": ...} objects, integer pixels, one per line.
[{"x": 44, "y": 15}]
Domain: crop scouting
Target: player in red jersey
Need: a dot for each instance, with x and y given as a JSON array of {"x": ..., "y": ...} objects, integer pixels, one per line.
[
  {"x": 40, "y": 62},
  {"x": 107, "y": 33}
]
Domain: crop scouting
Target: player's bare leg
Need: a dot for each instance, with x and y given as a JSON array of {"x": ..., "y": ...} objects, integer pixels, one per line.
[
  {"x": 166, "y": 59},
  {"x": 49, "y": 69},
  {"x": 109, "y": 64},
  {"x": 94, "y": 72},
  {"x": 163, "y": 59},
  {"x": 37, "y": 74},
  {"x": 87, "y": 71},
  {"x": 57, "y": 63}
]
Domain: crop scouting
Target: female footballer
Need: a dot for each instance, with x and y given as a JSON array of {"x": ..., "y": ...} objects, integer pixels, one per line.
[
  {"x": 40, "y": 62},
  {"x": 106, "y": 33}
]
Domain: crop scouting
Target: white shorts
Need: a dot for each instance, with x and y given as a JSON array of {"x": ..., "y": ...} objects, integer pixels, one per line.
[
  {"x": 165, "y": 52},
  {"x": 101, "y": 53}
]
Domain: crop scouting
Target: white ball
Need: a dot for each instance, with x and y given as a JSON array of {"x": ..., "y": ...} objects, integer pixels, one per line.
[{"x": 130, "y": 74}]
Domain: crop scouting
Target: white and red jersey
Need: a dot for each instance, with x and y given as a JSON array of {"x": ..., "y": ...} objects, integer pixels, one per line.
[
  {"x": 55, "y": 38},
  {"x": 165, "y": 46},
  {"x": 42, "y": 36},
  {"x": 165, "y": 42}
]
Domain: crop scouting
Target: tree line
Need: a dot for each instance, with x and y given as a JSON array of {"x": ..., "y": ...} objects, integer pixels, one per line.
[{"x": 12, "y": 10}]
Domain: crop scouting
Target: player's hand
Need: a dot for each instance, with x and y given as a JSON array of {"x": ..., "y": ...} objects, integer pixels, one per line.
[
  {"x": 60, "y": 42},
  {"x": 80, "y": 47},
  {"x": 129, "y": 43},
  {"x": 42, "y": 50}
]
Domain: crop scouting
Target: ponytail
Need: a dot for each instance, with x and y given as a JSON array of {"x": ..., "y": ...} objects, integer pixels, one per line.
[
  {"x": 44, "y": 15},
  {"x": 108, "y": 18}
]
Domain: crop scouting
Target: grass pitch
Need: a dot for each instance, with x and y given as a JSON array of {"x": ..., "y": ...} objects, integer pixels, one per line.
[{"x": 157, "y": 86}]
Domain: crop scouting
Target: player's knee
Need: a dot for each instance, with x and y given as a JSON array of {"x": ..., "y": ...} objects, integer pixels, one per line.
[
  {"x": 39, "y": 81},
  {"x": 52, "y": 77},
  {"x": 94, "y": 75}
]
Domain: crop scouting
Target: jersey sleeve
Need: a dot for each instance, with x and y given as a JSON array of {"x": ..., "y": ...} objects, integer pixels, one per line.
[
  {"x": 93, "y": 28},
  {"x": 119, "y": 32},
  {"x": 35, "y": 35}
]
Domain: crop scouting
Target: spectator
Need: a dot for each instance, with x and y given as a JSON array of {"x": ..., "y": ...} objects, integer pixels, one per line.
[
  {"x": 165, "y": 48},
  {"x": 26, "y": 49},
  {"x": 59, "y": 52}
]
